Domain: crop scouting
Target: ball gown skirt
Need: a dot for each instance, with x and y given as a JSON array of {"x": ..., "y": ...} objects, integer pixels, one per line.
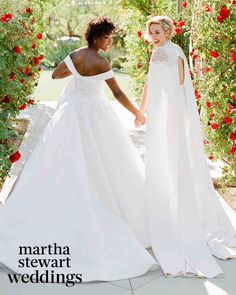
[{"x": 82, "y": 187}]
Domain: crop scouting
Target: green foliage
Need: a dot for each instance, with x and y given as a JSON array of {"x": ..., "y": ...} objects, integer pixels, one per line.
[
  {"x": 138, "y": 49},
  {"x": 20, "y": 57},
  {"x": 215, "y": 36},
  {"x": 66, "y": 18},
  {"x": 57, "y": 51}
]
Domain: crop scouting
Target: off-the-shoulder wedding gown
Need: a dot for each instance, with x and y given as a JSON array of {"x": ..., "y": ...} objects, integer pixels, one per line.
[{"x": 82, "y": 187}]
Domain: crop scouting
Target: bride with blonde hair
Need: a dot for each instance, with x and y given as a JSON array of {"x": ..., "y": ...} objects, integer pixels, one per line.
[{"x": 188, "y": 225}]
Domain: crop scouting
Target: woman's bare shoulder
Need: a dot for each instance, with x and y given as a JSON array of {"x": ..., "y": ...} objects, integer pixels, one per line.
[
  {"x": 77, "y": 53},
  {"x": 103, "y": 64}
]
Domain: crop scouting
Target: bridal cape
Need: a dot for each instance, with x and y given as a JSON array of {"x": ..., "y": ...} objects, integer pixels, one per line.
[
  {"x": 188, "y": 225},
  {"x": 82, "y": 187}
]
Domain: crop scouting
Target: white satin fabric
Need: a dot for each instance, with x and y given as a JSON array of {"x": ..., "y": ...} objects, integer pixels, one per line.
[
  {"x": 82, "y": 187},
  {"x": 188, "y": 226}
]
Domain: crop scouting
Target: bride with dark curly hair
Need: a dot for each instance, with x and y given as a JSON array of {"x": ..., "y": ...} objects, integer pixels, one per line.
[{"x": 83, "y": 185}]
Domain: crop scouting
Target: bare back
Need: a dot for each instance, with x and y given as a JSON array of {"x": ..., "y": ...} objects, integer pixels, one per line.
[{"x": 88, "y": 62}]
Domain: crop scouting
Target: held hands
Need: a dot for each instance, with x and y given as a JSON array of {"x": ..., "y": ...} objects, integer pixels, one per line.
[{"x": 139, "y": 120}]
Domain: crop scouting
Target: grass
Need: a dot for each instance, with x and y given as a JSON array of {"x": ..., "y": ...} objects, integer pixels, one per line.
[{"x": 50, "y": 90}]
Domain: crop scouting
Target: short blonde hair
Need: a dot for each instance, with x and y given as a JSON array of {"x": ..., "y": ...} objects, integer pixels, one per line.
[{"x": 166, "y": 22}]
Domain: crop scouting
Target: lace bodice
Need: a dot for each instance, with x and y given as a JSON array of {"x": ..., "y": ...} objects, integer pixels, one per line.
[{"x": 166, "y": 54}]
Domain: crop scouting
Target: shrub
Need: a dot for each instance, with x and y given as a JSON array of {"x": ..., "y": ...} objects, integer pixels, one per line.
[
  {"x": 20, "y": 58},
  {"x": 214, "y": 45}
]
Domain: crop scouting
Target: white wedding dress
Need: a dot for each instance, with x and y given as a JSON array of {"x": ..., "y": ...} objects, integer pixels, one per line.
[
  {"x": 188, "y": 225},
  {"x": 82, "y": 187}
]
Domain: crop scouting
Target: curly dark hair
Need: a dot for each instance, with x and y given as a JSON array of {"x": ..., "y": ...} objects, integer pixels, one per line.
[{"x": 98, "y": 27}]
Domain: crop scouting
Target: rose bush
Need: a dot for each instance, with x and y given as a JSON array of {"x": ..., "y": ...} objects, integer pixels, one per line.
[
  {"x": 20, "y": 58},
  {"x": 214, "y": 43}
]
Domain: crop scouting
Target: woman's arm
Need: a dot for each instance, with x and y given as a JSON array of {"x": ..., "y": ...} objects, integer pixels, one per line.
[
  {"x": 123, "y": 99},
  {"x": 143, "y": 103},
  {"x": 181, "y": 70},
  {"x": 61, "y": 71}
]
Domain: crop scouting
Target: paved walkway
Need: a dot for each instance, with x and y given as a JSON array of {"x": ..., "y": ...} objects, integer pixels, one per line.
[{"x": 153, "y": 282}]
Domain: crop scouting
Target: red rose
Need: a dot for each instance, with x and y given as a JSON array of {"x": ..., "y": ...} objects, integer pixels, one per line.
[
  {"x": 232, "y": 136},
  {"x": 28, "y": 10},
  {"x": 27, "y": 71},
  {"x": 233, "y": 56},
  {"x": 233, "y": 97},
  {"x": 34, "y": 44},
  {"x": 17, "y": 50},
  {"x": 230, "y": 106},
  {"x": 22, "y": 107},
  {"x": 12, "y": 76},
  {"x": 139, "y": 65},
  {"x": 41, "y": 57},
  {"x": 39, "y": 36},
  {"x": 184, "y": 4},
  {"x": 181, "y": 23},
  {"x": 6, "y": 17},
  {"x": 210, "y": 157},
  {"x": 214, "y": 54},
  {"x": 208, "y": 8},
  {"x": 233, "y": 2},
  {"x": 139, "y": 34},
  {"x": 212, "y": 115},
  {"x": 32, "y": 21},
  {"x": 31, "y": 101},
  {"x": 197, "y": 95},
  {"x": 232, "y": 149},
  {"x": 214, "y": 126},
  {"x": 191, "y": 52},
  {"x": 6, "y": 99},
  {"x": 178, "y": 31},
  {"x": 22, "y": 81},
  {"x": 208, "y": 104},
  {"x": 224, "y": 12},
  {"x": 206, "y": 70},
  {"x": 227, "y": 120},
  {"x": 15, "y": 156},
  {"x": 36, "y": 61},
  {"x": 220, "y": 19}
]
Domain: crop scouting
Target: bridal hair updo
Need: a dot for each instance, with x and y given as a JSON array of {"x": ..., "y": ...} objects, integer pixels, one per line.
[
  {"x": 164, "y": 21},
  {"x": 98, "y": 27}
]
